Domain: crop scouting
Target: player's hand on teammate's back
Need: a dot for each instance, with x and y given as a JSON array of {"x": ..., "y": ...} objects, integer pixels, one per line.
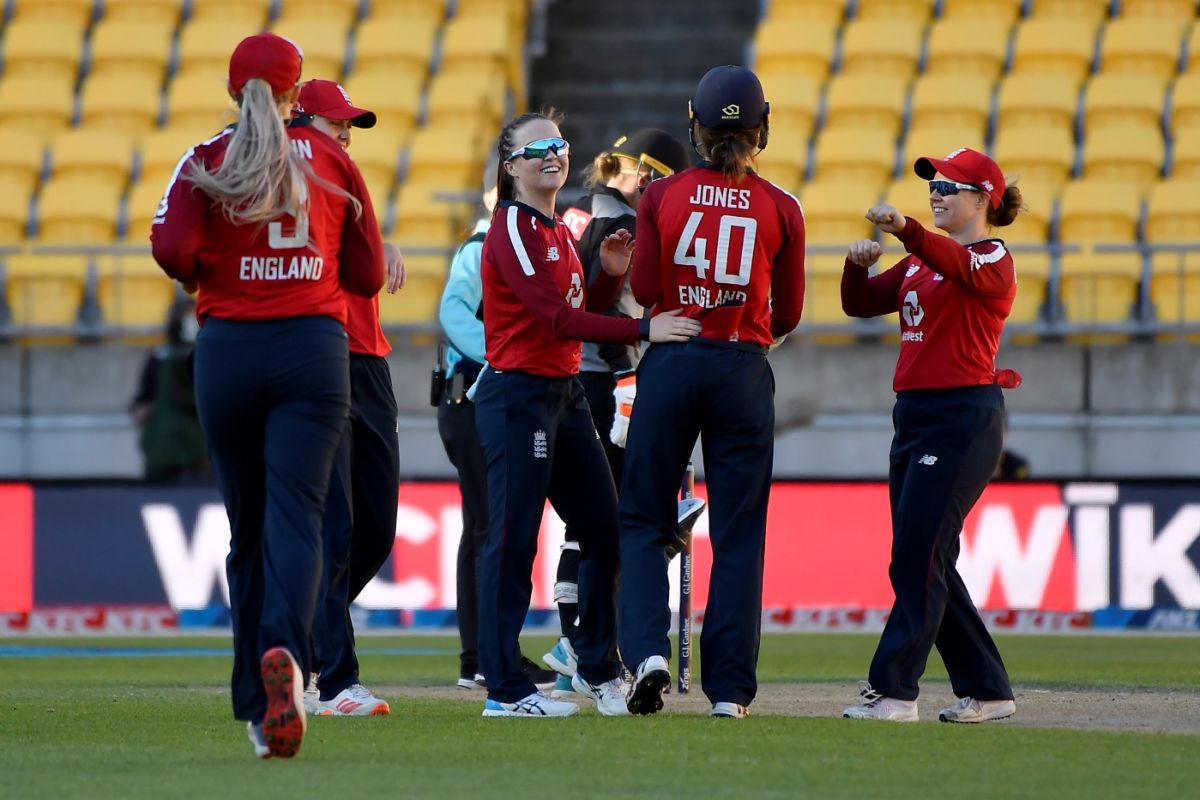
[
  {"x": 394, "y": 262},
  {"x": 864, "y": 252},
  {"x": 616, "y": 252},
  {"x": 623, "y": 397},
  {"x": 887, "y": 217},
  {"x": 670, "y": 327}
]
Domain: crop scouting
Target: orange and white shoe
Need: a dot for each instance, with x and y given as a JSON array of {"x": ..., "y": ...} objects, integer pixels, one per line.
[
  {"x": 355, "y": 700},
  {"x": 284, "y": 723}
]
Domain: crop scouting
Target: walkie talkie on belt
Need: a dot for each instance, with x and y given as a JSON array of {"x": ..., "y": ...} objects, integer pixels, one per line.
[{"x": 437, "y": 383}]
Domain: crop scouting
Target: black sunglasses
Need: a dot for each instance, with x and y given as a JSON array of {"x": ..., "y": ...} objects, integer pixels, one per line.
[{"x": 947, "y": 188}]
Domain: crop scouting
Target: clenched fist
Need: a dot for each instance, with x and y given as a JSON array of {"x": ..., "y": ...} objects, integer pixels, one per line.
[
  {"x": 887, "y": 218},
  {"x": 864, "y": 253}
]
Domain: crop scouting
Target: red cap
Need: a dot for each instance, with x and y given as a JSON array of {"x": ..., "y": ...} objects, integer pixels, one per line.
[
  {"x": 272, "y": 58},
  {"x": 966, "y": 166},
  {"x": 328, "y": 99}
]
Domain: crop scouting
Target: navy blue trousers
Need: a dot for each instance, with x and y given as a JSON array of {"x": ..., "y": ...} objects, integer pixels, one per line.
[
  {"x": 360, "y": 517},
  {"x": 273, "y": 399},
  {"x": 946, "y": 447},
  {"x": 726, "y": 397},
  {"x": 539, "y": 442}
]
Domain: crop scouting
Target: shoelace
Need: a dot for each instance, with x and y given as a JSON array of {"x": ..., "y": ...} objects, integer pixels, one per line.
[
  {"x": 964, "y": 704},
  {"x": 357, "y": 691},
  {"x": 871, "y": 698}
]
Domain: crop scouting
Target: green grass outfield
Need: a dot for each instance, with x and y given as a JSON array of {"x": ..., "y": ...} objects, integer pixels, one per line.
[{"x": 158, "y": 726}]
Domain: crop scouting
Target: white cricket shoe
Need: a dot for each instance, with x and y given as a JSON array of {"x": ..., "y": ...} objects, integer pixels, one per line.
[
  {"x": 653, "y": 675},
  {"x": 312, "y": 696},
  {"x": 255, "y": 732},
  {"x": 611, "y": 696},
  {"x": 355, "y": 700},
  {"x": 734, "y": 710},
  {"x": 968, "y": 709},
  {"x": 534, "y": 705},
  {"x": 562, "y": 658},
  {"x": 876, "y": 706}
]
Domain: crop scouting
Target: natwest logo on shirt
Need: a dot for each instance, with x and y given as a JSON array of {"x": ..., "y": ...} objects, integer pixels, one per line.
[{"x": 911, "y": 310}]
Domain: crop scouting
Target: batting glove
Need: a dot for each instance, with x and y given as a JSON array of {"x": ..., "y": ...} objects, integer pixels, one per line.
[{"x": 624, "y": 395}]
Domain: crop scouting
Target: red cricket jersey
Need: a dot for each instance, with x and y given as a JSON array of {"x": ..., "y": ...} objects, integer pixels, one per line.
[
  {"x": 952, "y": 300},
  {"x": 270, "y": 271},
  {"x": 533, "y": 296},
  {"x": 362, "y": 326},
  {"x": 730, "y": 255}
]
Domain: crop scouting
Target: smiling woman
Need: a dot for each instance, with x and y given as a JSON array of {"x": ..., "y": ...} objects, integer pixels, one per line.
[
  {"x": 534, "y": 423},
  {"x": 953, "y": 294}
]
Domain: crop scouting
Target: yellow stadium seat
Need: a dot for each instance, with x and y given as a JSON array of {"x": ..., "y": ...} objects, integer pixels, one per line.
[
  {"x": 377, "y": 154},
  {"x": 78, "y": 210},
  {"x": 910, "y": 195},
  {"x": 336, "y": 13},
  {"x": 834, "y": 212},
  {"x": 860, "y": 101},
  {"x": 142, "y": 205},
  {"x": 807, "y": 11},
  {"x": 1099, "y": 287},
  {"x": 14, "y": 216},
  {"x": 1173, "y": 211},
  {"x": 1031, "y": 99},
  {"x": 1122, "y": 99},
  {"x": 130, "y": 45},
  {"x": 866, "y": 156},
  {"x": 936, "y": 143},
  {"x": 1142, "y": 45},
  {"x": 823, "y": 301},
  {"x": 1178, "y": 10},
  {"x": 98, "y": 155},
  {"x": 881, "y": 47},
  {"x": 1193, "y": 49},
  {"x": 956, "y": 48},
  {"x": 76, "y": 12},
  {"x": 1040, "y": 152},
  {"x": 206, "y": 44},
  {"x": 1185, "y": 103},
  {"x": 409, "y": 9},
  {"x": 1054, "y": 46},
  {"x": 1032, "y": 225},
  {"x": 794, "y": 102},
  {"x": 481, "y": 44},
  {"x": 1003, "y": 12},
  {"x": 1175, "y": 290},
  {"x": 133, "y": 292},
  {"x": 45, "y": 290},
  {"x": 951, "y": 101},
  {"x": 199, "y": 102},
  {"x": 161, "y": 150},
  {"x": 423, "y": 221},
  {"x": 395, "y": 45},
  {"x": 130, "y": 103},
  {"x": 395, "y": 100},
  {"x": 323, "y": 43},
  {"x": 1088, "y": 10},
  {"x": 778, "y": 48},
  {"x": 1173, "y": 216},
  {"x": 39, "y": 104},
  {"x": 455, "y": 98},
  {"x": 252, "y": 12},
  {"x": 450, "y": 156},
  {"x": 1185, "y": 156},
  {"x": 21, "y": 161},
  {"x": 167, "y": 11},
  {"x": 785, "y": 159},
  {"x": 1031, "y": 228},
  {"x": 45, "y": 48},
  {"x": 415, "y": 304},
  {"x": 916, "y": 10},
  {"x": 1125, "y": 152}
]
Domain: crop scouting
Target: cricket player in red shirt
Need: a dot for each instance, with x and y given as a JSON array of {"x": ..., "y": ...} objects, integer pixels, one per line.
[
  {"x": 953, "y": 293},
  {"x": 360, "y": 513},
  {"x": 270, "y": 224},
  {"x": 725, "y": 247},
  {"x": 534, "y": 424}
]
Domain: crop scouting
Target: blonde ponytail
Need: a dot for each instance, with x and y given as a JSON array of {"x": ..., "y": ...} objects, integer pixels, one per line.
[{"x": 260, "y": 178}]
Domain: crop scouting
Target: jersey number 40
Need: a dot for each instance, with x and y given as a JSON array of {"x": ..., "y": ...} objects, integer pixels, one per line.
[{"x": 698, "y": 247}]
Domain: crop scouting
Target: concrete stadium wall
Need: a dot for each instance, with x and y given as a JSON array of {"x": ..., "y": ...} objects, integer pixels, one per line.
[{"x": 1100, "y": 411}]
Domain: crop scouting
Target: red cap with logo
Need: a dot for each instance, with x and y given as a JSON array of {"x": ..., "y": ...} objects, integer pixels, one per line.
[
  {"x": 328, "y": 99},
  {"x": 272, "y": 58},
  {"x": 966, "y": 166}
]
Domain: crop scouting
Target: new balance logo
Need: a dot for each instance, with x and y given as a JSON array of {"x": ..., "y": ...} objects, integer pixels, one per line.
[
  {"x": 927, "y": 460},
  {"x": 552, "y": 254},
  {"x": 539, "y": 445}
]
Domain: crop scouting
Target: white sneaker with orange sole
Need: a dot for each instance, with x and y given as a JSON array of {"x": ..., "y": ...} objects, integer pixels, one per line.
[{"x": 355, "y": 700}]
